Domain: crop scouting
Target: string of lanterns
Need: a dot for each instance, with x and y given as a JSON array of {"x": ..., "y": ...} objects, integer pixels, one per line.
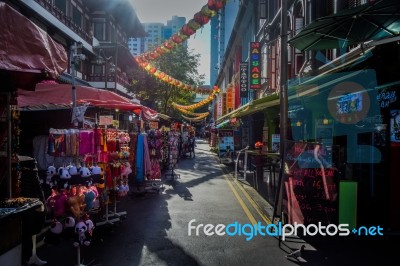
[
  {"x": 191, "y": 113},
  {"x": 215, "y": 91},
  {"x": 200, "y": 118},
  {"x": 162, "y": 76},
  {"x": 200, "y": 19}
]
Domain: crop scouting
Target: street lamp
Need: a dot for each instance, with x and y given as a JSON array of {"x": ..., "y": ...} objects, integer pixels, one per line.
[
  {"x": 75, "y": 56},
  {"x": 102, "y": 59}
]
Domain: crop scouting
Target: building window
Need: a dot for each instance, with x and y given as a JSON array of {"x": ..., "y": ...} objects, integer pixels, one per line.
[
  {"x": 76, "y": 16},
  {"x": 354, "y": 3},
  {"x": 61, "y": 5},
  {"x": 99, "y": 31},
  {"x": 98, "y": 69}
]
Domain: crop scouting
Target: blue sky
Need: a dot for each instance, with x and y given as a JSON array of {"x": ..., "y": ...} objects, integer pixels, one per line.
[{"x": 163, "y": 10}]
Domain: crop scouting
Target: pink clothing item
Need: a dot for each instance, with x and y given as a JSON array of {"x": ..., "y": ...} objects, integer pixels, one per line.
[{"x": 86, "y": 142}]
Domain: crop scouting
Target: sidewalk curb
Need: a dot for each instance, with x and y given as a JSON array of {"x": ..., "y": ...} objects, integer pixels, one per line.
[{"x": 263, "y": 205}]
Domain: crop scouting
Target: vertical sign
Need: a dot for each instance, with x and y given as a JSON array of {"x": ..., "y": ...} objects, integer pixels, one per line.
[
  {"x": 244, "y": 79},
  {"x": 224, "y": 110},
  {"x": 229, "y": 98},
  {"x": 219, "y": 105},
  {"x": 255, "y": 65}
]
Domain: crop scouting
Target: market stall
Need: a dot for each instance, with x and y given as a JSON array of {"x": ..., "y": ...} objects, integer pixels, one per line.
[{"x": 25, "y": 59}]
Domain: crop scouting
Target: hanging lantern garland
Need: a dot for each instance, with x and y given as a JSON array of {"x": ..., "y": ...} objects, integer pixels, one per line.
[
  {"x": 190, "y": 113},
  {"x": 215, "y": 91},
  {"x": 162, "y": 76},
  {"x": 199, "y": 20},
  {"x": 200, "y": 118}
]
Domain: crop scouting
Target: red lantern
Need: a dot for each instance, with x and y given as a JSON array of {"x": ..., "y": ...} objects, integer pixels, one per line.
[
  {"x": 169, "y": 45},
  {"x": 219, "y": 4},
  {"x": 160, "y": 51},
  {"x": 193, "y": 25},
  {"x": 153, "y": 70},
  {"x": 176, "y": 39},
  {"x": 212, "y": 4},
  {"x": 187, "y": 30}
]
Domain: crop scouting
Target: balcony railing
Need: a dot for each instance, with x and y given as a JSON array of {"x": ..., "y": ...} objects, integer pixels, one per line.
[
  {"x": 67, "y": 21},
  {"x": 121, "y": 79}
]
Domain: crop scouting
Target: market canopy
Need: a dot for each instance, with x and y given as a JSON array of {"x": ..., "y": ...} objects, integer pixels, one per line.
[
  {"x": 372, "y": 21},
  {"x": 27, "y": 53},
  {"x": 48, "y": 96},
  {"x": 251, "y": 107}
]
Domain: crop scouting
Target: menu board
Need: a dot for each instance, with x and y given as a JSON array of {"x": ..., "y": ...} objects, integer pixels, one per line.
[
  {"x": 311, "y": 184},
  {"x": 225, "y": 142}
]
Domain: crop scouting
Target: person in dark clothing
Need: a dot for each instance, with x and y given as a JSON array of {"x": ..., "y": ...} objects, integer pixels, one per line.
[{"x": 192, "y": 144}]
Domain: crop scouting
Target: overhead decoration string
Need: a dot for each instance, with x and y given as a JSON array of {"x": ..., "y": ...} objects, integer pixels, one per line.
[{"x": 200, "y": 19}]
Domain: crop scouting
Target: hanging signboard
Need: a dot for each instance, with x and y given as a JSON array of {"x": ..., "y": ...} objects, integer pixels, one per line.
[
  {"x": 244, "y": 79},
  {"x": 224, "y": 110},
  {"x": 153, "y": 125},
  {"x": 255, "y": 65},
  {"x": 229, "y": 98},
  {"x": 105, "y": 120}
]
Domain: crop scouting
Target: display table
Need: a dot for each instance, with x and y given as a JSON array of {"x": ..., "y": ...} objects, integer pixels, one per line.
[{"x": 13, "y": 212}]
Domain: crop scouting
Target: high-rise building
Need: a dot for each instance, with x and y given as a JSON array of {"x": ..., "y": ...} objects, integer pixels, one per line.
[{"x": 156, "y": 33}]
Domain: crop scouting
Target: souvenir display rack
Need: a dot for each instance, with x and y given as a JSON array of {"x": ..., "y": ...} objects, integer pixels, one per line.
[{"x": 173, "y": 155}]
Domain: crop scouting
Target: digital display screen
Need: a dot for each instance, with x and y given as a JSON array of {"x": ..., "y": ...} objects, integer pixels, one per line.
[{"x": 349, "y": 103}]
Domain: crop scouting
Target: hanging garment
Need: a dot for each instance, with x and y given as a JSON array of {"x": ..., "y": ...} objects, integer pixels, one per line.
[
  {"x": 86, "y": 142},
  {"x": 56, "y": 142},
  {"x": 146, "y": 159},
  {"x": 140, "y": 159}
]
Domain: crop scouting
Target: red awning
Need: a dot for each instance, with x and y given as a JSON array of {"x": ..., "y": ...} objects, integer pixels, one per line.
[
  {"x": 24, "y": 47},
  {"x": 59, "y": 96}
]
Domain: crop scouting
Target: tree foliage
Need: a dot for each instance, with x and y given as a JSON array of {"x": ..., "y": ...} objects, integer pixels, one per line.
[{"x": 180, "y": 64}]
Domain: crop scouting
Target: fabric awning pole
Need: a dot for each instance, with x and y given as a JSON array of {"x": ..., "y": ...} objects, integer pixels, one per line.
[
  {"x": 283, "y": 109},
  {"x": 72, "y": 57}
]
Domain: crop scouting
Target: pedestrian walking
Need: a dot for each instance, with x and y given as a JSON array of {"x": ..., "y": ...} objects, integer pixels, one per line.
[{"x": 192, "y": 144}]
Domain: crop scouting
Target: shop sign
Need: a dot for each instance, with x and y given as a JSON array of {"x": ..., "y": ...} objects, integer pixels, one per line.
[
  {"x": 229, "y": 98},
  {"x": 115, "y": 123},
  {"x": 153, "y": 125},
  {"x": 224, "y": 109},
  {"x": 244, "y": 79},
  {"x": 386, "y": 97},
  {"x": 219, "y": 106},
  {"x": 255, "y": 65},
  {"x": 106, "y": 120}
]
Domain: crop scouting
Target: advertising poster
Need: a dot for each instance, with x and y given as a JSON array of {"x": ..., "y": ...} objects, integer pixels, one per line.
[
  {"x": 225, "y": 143},
  {"x": 275, "y": 142}
]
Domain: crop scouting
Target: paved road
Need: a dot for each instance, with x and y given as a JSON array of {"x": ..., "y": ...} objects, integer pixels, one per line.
[{"x": 155, "y": 231}]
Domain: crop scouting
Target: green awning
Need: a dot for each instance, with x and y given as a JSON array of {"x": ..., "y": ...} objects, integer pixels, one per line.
[
  {"x": 252, "y": 107},
  {"x": 375, "y": 20}
]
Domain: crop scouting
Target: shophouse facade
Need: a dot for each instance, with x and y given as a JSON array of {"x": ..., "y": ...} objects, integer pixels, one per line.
[
  {"x": 88, "y": 31},
  {"x": 341, "y": 95}
]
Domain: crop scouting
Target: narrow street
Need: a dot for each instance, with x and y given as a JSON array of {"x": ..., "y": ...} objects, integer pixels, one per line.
[{"x": 155, "y": 231}]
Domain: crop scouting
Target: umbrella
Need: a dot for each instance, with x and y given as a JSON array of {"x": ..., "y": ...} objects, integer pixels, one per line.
[{"x": 372, "y": 21}]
